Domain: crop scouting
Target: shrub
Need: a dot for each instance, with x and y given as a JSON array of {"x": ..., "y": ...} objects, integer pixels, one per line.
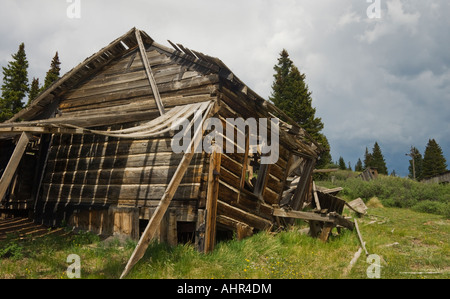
[
  {"x": 398, "y": 192},
  {"x": 12, "y": 250},
  {"x": 433, "y": 207}
]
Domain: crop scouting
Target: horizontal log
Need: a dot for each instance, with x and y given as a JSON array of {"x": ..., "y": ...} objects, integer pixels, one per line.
[
  {"x": 270, "y": 196},
  {"x": 129, "y": 104},
  {"x": 111, "y": 148},
  {"x": 164, "y": 85},
  {"x": 112, "y": 194},
  {"x": 119, "y": 161},
  {"x": 329, "y": 218},
  {"x": 231, "y": 165},
  {"x": 274, "y": 184},
  {"x": 17, "y": 129},
  {"x": 246, "y": 201},
  {"x": 184, "y": 210},
  {"x": 242, "y": 216},
  {"x": 137, "y": 175}
]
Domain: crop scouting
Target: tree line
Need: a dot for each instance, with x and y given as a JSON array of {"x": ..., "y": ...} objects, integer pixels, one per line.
[
  {"x": 432, "y": 163},
  {"x": 17, "y": 93}
]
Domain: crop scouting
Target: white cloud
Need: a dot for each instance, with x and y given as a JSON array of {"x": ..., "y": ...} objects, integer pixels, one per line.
[
  {"x": 395, "y": 20},
  {"x": 385, "y": 80}
]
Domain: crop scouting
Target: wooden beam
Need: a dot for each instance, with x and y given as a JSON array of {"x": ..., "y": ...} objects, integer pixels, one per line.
[
  {"x": 244, "y": 163},
  {"x": 85, "y": 121},
  {"x": 326, "y": 230},
  {"x": 149, "y": 72},
  {"x": 164, "y": 203},
  {"x": 329, "y": 218},
  {"x": 16, "y": 130},
  {"x": 13, "y": 163},
  {"x": 363, "y": 244},
  {"x": 303, "y": 215},
  {"x": 299, "y": 195},
  {"x": 316, "y": 197},
  {"x": 211, "y": 199}
]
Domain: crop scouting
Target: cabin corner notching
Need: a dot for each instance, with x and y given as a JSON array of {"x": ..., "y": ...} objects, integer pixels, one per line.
[{"x": 94, "y": 150}]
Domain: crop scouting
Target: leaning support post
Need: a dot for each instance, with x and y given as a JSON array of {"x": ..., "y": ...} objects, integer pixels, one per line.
[
  {"x": 13, "y": 163},
  {"x": 211, "y": 198},
  {"x": 164, "y": 203},
  {"x": 149, "y": 73}
]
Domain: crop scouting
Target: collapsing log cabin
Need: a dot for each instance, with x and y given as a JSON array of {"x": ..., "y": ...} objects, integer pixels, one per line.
[{"x": 95, "y": 150}]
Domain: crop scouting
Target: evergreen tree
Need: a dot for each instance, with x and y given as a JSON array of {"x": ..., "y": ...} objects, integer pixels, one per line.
[
  {"x": 34, "y": 90},
  {"x": 378, "y": 160},
  {"x": 433, "y": 160},
  {"x": 290, "y": 93},
  {"x": 367, "y": 159},
  {"x": 418, "y": 164},
  {"x": 53, "y": 73},
  {"x": 341, "y": 164},
  {"x": 15, "y": 84},
  {"x": 359, "y": 166}
]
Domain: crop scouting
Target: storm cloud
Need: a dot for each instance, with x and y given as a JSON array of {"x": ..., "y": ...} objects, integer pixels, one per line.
[{"x": 381, "y": 79}]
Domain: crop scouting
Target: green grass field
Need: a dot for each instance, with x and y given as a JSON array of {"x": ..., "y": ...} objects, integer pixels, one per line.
[{"x": 408, "y": 242}]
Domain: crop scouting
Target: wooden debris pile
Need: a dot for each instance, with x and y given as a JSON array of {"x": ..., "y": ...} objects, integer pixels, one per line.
[
  {"x": 369, "y": 174},
  {"x": 322, "y": 210}
]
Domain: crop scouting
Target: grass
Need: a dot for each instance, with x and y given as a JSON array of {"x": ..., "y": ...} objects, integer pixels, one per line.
[
  {"x": 407, "y": 227},
  {"x": 421, "y": 244},
  {"x": 395, "y": 192}
]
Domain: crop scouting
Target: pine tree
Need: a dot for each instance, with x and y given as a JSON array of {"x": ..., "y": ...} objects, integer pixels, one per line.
[
  {"x": 341, "y": 164},
  {"x": 53, "y": 73},
  {"x": 359, "y": 166},
  {"x": 367, "y": 159},
  {"x": 418, "y": 164},
  {"x": 378, "y": 160},
  {"x": 34, "y": 90},
  {"x": 433, "y": 160},
  {"x": 290, "y": 93},
  {"x": 15, "y": 84}
]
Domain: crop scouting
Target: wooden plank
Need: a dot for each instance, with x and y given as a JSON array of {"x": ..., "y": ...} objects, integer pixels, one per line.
[
  {"x": 153, "y": 224},
  {"x": 13, "y": 163},
  {"x": 244, "y": 165},
  {"x": 240, "y": 215},
  {"x": 127, "y": 176},
  {"x": 326, "y": 230},
  {"x": 358, "y": 206},
  {"x": 299, "y": 195},
  {"x": 149, "y": 73},
  {"x": 316, "y": 197},
  {"x": 363, "y": 244},
  {"x": 353, "y": 261},
  {"x": 18, "y": 129},
  {"x": 303, "y": 215},
  {"x": 211, "y": 200},
  {"x": 99, "y": 194},
  {"x": 329, "y": 218},
  {"x": 90, "y": 120}
]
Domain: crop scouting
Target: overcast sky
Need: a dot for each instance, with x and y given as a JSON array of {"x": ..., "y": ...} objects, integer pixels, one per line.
[{"x": 383, "y": 79}]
